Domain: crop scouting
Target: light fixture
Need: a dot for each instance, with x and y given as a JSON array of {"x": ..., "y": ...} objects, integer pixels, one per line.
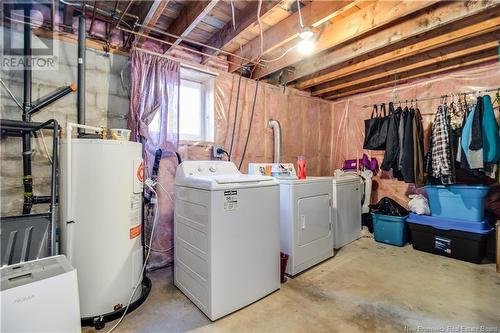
[
  {"x": 306, "y": 33},
  {"x": 306, "y": 46},
  {"x": 308, "y": 41}
]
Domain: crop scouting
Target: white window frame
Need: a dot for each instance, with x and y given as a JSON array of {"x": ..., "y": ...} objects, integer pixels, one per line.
[{"x": 207, "y": 82}]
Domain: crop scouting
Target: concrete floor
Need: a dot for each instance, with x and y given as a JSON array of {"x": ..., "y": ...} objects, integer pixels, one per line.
[{"x": 366, "y": 287}]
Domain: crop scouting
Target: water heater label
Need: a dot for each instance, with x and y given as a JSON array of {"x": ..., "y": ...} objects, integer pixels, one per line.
[
  {"x": 135, "y": 209},
  {"x": 230, "y": 200},
  {"x": 135, "y": 231}
]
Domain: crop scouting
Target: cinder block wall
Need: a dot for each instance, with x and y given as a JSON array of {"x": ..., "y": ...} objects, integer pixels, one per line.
[{"x": 107, "y": 104}]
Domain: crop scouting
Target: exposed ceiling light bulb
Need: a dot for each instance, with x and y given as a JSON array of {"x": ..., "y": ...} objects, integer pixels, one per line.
[
  {"x": 306, "y": 33},
  {"x": 306, "y": 46}
]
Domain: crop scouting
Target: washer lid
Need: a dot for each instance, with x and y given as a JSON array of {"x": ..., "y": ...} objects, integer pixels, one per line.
[
  {"x": 241, "y": 179},
  {"x": 217, "y": 175}
]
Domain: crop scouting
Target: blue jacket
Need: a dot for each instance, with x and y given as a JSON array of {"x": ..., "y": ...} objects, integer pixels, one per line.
[{"x": 491, "y": 139}]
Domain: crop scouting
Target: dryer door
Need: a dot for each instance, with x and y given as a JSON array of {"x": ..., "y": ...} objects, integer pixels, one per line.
[{"x": 313, "y": 218}]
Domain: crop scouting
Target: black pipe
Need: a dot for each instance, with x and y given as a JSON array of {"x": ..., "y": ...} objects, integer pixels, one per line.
[
  {"x": 51, "y": 98},
  {"x": 22, "y": 125},
  {"x": 27, "y": 177},
  {"x": 53, "y": 184},
  {"x": 81, "y": 73},
  {"x": 41, "y": 199}
]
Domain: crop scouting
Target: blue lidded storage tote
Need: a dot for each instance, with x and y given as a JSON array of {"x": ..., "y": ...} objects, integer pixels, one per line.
[
  {"x": 462, "y": 202},
  {"x": 390, "y": 229},
  {"x": 459, "y": 239}
]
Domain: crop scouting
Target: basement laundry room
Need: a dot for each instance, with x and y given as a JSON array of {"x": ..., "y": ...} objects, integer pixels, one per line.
[{"x": 250, "y": 166}]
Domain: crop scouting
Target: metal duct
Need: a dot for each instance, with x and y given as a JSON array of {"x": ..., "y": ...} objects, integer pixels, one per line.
[{"x": 275, "y": 125}]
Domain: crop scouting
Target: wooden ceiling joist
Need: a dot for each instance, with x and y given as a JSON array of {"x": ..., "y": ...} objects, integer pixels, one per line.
[
  {"x": 485, "y": 55},
  {"x": 152, "y": 16},
  {"x": 379, "y": 14},
  {"x": 457, "y": 50},
  {"x": 449, "y": 23},
  {"x": 244, "y": 19},
  {"x": 313, "y": 14},
  {"x": 189, "y": 17}
]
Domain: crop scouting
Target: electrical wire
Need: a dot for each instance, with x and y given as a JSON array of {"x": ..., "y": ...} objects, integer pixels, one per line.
[
  {"x": 300, "y": 14},
  {"x": 281, "y": 56},
  {"x": 233, "y": 16},
  {"x": 249, "y": 125},
  {"x": 235, "y": 117},
  {"x": 172, "y": 200},
  {"x": 12, "y": 95},
  {"x": 289, "y": 49},
  {"x": 143, "y": 267}
]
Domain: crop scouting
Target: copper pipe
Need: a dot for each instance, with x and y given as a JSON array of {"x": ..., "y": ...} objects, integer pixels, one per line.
[
  {"x": 123, "y": 13},
  {"x": 197, "y": 43},
  {"x": 94, "y": 11},
  {"x": 179, "y": 46}
]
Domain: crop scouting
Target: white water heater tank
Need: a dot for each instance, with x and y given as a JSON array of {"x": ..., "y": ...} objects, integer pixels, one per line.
[{"x": 101, "y": 231}]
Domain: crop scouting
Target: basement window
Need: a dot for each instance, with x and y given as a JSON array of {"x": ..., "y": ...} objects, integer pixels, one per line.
[{"x": 196, "y": 106}]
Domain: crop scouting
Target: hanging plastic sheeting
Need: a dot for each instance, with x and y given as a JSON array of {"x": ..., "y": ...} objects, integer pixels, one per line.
[
  {"x": 348, "y": 118},
  {"x": 153, "y": 120}
]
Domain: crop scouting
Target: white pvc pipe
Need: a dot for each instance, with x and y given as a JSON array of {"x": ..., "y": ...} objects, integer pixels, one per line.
[
  {"x": 275, "y": 125},
  {"x": 69, "y": 204}
]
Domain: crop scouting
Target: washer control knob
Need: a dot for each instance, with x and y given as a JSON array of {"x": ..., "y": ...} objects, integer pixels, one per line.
[
  {"x": 200, "y": 169},
  {"x": 212, "y": 169}
]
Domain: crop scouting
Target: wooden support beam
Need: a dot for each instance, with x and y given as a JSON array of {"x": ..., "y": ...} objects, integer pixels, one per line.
[
  {"x": 448, "y": 23},
  {"x": 379, "y": 14},
  {"x": 313, "y": 14},
  {"x": 484, "y": 56},
  {"x": 152, "y": 16},
  {"x": 456, "y": 50},
  {"x": 189, "y": 17},
  {"x": 244, "y": 19}
]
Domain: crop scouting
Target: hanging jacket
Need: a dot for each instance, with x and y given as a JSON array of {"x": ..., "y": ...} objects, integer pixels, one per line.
[
  {"x": 401, "y": 135},
  {"x": 392, "y": 149},
  {"x": 476, "y": 135},
  {"x": 472, "y": 137},
  {"x": 407, "y": 168},
  {"x": 491, "y": 140},
  {"x": 418, "y": 149},
  {"x": 440, "y": 141}
]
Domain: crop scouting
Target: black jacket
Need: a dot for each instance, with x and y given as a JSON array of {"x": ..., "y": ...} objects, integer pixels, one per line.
[{"x": 392, "y": 151}]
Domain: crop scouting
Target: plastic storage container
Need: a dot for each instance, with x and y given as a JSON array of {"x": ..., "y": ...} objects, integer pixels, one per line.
[
  {"x": 390, "y": 229},
  {"x": 463, "y": 202},
  {"x": 459, "y": 239},
  {"x": 120, "y": 134}
]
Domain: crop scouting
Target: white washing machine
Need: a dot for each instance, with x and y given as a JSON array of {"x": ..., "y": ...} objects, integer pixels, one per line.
[
  {"x": 226, "y": 230},
  {"x": 346, "y": 209},
  {"x": 305, "y": 216}
]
